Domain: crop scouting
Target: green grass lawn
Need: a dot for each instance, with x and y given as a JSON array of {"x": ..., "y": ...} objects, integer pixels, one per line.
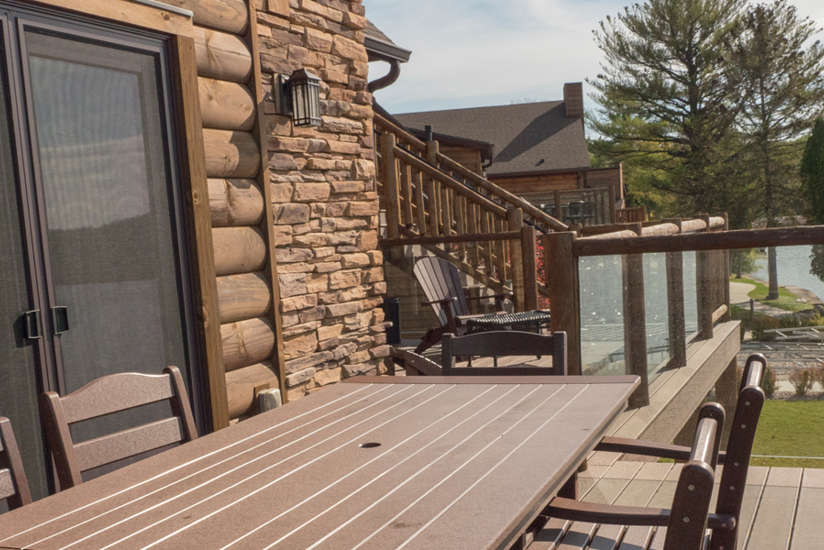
[
  {"x": 786, "y": 299},
  {"x": 790, "y": 428}
]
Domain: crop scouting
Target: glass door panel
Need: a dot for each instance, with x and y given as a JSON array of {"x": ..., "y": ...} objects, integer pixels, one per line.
[
  {"x": 19, "y": 377},
  {"x": 110, "y": 237}
]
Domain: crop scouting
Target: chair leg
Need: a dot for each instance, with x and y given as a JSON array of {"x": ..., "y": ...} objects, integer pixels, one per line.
[{"x": 569, "y": 490}]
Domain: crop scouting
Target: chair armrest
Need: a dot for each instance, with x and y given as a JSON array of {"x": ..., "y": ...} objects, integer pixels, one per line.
[
  {"x": 648, "y": 448},
  {"x": 567, "y": 508},
  {"x": 443, "y": 301}
]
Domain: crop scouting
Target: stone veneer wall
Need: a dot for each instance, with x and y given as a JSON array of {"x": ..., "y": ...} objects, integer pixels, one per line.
[{"x": 325, "y": 203}]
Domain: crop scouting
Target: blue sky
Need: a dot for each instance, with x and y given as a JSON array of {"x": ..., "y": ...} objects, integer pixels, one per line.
[{"x": 469, "y": 53}]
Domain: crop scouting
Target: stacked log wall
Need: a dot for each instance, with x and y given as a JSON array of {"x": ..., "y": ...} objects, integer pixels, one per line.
[
  {"x": 233, "y": 161},
  {"x": 324, "y": 196}
]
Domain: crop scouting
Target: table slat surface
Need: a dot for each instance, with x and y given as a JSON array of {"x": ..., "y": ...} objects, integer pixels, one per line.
[{"x": 457, "y": 465}]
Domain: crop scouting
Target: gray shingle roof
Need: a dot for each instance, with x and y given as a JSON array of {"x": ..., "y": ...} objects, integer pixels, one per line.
[{"x": 528, "y": 137}]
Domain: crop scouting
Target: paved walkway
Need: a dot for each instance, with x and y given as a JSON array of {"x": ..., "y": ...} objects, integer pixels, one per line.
[{"x": 739, "y": 292}]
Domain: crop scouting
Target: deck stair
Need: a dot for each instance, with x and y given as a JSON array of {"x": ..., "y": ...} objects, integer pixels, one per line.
[{"x": 434, "y": 203}]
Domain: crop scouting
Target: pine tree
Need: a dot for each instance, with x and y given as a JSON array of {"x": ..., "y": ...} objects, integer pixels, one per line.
[
  {"x": 812, "y": 172},
  {"x": 783, "y": 74},
  {"x": 666, "y": 91}
]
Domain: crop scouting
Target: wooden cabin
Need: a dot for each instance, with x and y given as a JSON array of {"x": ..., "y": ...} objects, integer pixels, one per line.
[
  {"x": 535, "y": 150},
  {"x": 160, "y": 205}
]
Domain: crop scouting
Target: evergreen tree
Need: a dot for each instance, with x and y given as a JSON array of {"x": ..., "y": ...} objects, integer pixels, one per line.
[
  {"x": 812, "y": 172},
  {"x": 667, "y": 91},
  {"x": 782, "y": 75}
]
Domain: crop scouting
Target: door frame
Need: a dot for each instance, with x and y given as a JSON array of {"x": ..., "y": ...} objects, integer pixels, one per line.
[{"x": 188, "y": 149}]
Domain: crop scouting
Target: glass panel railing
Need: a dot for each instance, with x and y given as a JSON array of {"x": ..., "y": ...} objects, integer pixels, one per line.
[
  {"x": 656, "y": 310},
  {"x": 690, "y": 295},
  {"x": 602, "y": 322}
]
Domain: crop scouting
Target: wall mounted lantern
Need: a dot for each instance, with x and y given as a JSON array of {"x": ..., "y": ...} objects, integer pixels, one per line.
[{"x": 300, "y": 97}]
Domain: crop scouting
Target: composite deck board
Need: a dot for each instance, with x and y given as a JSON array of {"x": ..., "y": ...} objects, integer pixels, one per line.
[
  {"x": 791, "y": 499},
  {"x": 639, "y": 492},
  {"x": 485, "y": 454},
  {"x": 773, "y": 523},
  {"x": 608, "y": 489}
]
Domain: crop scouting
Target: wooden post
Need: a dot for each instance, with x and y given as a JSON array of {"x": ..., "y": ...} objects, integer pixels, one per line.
[
  {"x": 675, "y": 307},
  {"x": 516, "y": 221},
  {"x": 529, "y": 267},
  {"x": 432, "y": 189},
  {"x": 635, "y": 333},
  {"x": 557, "y": 198},
  {"x": 613, "y": 209},
  {"x": 726, "y": 273},
  {"x": 562, "y": 280},
  {"x": 390, "y": 186}
]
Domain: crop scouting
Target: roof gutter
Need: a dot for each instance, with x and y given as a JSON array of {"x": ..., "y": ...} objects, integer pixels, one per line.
[
  {"x": 380, "y": 50},
  {"x": 388, "y": 79}
]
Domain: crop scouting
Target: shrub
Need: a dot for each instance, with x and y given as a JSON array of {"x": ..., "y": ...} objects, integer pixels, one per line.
[
  {"x": 802, "y": 381},
  {"x": 768, "y": 383},
  {"x": 818, "y": 376}
]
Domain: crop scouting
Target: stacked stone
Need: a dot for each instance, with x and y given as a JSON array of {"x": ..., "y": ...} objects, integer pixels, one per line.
[{"x": 325, "y": 203}]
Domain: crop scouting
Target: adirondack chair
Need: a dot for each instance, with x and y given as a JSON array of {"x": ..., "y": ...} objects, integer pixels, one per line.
[
  {"x": 736, "y": 458},
  {"x": 687, "y": 519},
  {"x": 444, "y": 291},
  {"x": 493, "y": 343},
  {"x": 499, "y": 343}
]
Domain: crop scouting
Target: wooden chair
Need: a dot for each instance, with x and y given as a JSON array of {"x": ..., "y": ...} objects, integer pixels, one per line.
[
  {"x": 441, "y": 284},
  {"x": 736, "y": 459},
  {"x": 14, "y": 485},
  {"x": 107, "y": 395},
  {"x": 687, "y": 519},
  {"x": 497, "y": 343}
]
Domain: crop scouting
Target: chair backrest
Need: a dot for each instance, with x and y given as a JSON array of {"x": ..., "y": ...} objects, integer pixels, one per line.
[
  {"x": 499, "y": 343},
  {"x": 739, "y": 448},
  {"x": 439, "y": 280},
  {"x": 691, "y": 503},
  {"x": 14, "y": 485},
  {"x": 107, "y": 395}
]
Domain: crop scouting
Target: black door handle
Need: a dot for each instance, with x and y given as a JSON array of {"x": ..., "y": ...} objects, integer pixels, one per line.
[
  {"x": 31, "y": 324},
  {"x": 60, "y": 319}
]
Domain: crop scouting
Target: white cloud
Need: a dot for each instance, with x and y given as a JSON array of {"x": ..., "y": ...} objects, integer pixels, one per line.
[{"x": 484, "y": 52}]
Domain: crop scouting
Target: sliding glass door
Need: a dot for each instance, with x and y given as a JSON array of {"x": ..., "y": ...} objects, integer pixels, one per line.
[{"x": 100, "y": 244}]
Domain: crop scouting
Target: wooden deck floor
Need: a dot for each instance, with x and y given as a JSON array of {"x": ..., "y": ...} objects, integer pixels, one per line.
[{"x": 782, "y": 508}]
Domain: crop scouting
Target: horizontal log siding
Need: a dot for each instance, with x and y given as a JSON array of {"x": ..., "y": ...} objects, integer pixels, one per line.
[
  {"x": 237, "y": 204},
  {"x": 325, "y": 204}
]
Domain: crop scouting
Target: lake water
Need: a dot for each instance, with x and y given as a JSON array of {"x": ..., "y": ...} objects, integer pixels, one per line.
[{"x": 793, "y": 269}]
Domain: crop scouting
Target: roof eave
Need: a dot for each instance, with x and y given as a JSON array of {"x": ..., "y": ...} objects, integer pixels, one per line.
[{"x": 378, "y": 50}]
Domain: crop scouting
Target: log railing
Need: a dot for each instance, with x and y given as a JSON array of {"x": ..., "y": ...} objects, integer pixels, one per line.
[
  {"x": 512, "y": 255},
  {"x": 707, "y": 236},
  {"x": 458, "y": 173},
  {"x": 421, "y": 200}
]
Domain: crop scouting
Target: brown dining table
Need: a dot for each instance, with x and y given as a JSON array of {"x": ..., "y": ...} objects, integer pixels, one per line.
[{"x": 374, "y": 462}]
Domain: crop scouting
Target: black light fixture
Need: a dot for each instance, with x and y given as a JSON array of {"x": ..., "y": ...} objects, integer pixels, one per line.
[{"x": 300, "y": 97}]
